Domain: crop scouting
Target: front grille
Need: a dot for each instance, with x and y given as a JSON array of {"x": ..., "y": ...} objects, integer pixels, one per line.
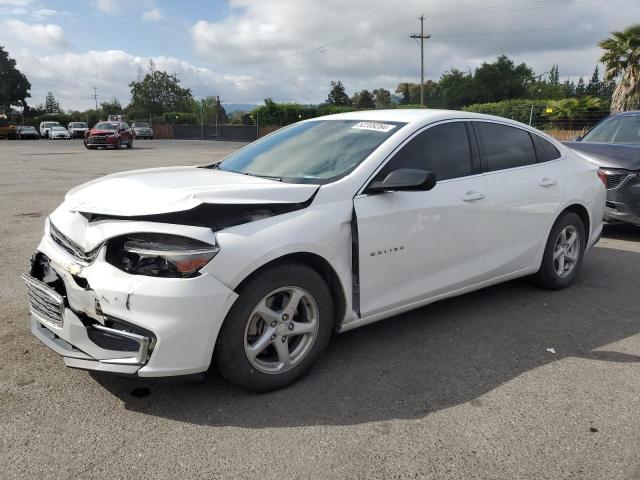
[
  {"x": 614, "y": 178},
  {"x": 75, "y": 250},
  {"x": 98, "y": 139},
  {"x": 44, "y": 301}
]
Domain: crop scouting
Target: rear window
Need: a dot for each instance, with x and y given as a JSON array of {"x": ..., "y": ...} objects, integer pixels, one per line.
[
  {"x": 106, "y": 126},
  {"x": 545, "y": 150},
  {"x": 503, "y": 147}
]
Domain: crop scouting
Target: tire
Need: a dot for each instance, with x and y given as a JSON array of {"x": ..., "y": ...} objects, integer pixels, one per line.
[
  {"x": 118, "y": 145},
  {"x": 130, "y": 144},
  {"x": 548, "y": 276},
  {"x": 237, "y": 336}
]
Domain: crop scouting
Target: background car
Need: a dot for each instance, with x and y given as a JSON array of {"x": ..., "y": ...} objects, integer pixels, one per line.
[
  {"x": 77, "y": 129},
  {"x": 59, "y": 132},
  {"x": 7, "y": 129},
  {"x": 614, "y": 146},
  {"x": 142, "y": 130},
  {"x": 45, "y": 127},
  {"x": 109, "y": 135},
  {"x": 26, "y": 132}
]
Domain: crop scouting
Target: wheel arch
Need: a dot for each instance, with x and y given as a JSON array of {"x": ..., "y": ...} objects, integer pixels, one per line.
[
  {"x": 583, "y": 213},
  {"x": 321, "y": 266}
]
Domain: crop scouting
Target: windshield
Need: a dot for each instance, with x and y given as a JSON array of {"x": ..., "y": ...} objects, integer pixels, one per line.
[
  {"x": 106, "y": 126},
  {"x": 618, "y": 129},
  {"x": 317, "y": 151},
  {"x": 140, "y": 124},
  {"x": 50, "y": 124},
  {"x": 78, "y": 125}
]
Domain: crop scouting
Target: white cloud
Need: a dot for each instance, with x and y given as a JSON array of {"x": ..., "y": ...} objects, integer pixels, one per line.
[
  {"x": 153, "y": 15},
  {"x": 106, "y": 6},
  {"x": 44, "y": 12},
  {"x": 298, "y": 46},
  {"x": 21, "y": 34},
  {"x": 71, "y": 76}
]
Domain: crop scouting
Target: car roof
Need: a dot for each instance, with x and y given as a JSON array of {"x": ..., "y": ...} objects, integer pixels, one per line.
[
  {"x": 415, "y": 115},
  {"x": 630, "y": 113}
]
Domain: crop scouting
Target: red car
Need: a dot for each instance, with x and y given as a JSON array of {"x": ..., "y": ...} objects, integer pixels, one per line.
[{"x": 109, "y": 134}]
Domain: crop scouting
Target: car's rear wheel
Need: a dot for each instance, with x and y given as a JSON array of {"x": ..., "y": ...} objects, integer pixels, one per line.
[
  {"x": 276, "y": 329},
  {"x": 563, "y": 253}
]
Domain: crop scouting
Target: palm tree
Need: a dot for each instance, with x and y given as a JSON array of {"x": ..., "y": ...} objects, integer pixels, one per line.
[{"x": 621, "y": 58}]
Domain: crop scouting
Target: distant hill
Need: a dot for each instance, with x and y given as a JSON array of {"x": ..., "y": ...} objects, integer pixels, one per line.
[{"x": 238, "y": 107}]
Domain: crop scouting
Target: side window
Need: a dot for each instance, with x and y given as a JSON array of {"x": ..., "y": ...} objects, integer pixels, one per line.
[
  {"x": 125, "y": 126},
  {"x": 443, "y": 150},
  {"x": 545, "y": 150},
  {"x": 502, "y": 146}
]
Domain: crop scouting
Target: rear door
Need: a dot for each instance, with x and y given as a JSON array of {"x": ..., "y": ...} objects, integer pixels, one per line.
[
  {"x": 415, "y": 245},
  {"x": 525, "y": 190}
]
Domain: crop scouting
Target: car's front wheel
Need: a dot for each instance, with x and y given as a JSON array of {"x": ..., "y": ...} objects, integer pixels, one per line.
[
  {"x": 276, "y": 329},
  {"x": 563, "y": 253}
]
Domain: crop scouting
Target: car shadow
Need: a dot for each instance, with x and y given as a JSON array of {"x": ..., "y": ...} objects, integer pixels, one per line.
[
  {"x": 448, "y": 353},
  {"x": 622, "y": 231}
]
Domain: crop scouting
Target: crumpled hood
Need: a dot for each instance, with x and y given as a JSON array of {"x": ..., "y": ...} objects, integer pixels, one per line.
[
  {"x": 163, "y": 190},
  {"x": 608, "y": 155}
]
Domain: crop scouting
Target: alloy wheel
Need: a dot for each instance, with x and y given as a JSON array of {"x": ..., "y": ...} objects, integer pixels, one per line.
[
  {"x": 566, "y": 251},
  {"x": 281, "y": 330}
]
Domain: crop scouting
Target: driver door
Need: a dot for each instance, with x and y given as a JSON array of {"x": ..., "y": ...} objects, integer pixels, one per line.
[{"x": 414, "y": 245}]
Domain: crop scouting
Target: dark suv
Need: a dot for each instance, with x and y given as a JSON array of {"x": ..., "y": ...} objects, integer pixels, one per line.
[{"x": 614, "y": 145}]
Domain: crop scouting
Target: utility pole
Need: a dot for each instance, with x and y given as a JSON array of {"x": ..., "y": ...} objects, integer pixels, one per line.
[
  {"x": 95, "y": 97},
  {"x": 422, "y": 38}
]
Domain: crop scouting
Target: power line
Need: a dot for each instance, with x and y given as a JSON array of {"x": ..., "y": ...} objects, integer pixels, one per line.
[
  {"x": 422, "y": 38},
  {"x": 486, "y": 10}
]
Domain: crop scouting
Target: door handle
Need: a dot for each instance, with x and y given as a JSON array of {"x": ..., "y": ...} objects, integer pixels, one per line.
[
  {"x": 547, "y": 182},
  {"x": 472, "y": 196}
]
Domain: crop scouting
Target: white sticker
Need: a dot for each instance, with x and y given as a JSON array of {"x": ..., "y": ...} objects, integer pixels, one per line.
[{"x": 375, "y": 126}]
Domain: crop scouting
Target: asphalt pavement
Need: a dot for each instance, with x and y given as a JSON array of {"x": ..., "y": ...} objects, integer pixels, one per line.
[{"x": 511, "y": 382}]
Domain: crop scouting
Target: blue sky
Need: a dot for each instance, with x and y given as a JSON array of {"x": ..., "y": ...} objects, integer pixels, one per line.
[{"x": 290, "y": 50}]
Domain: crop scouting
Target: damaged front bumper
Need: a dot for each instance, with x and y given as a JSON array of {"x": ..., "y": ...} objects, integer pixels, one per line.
[{"x": 101, "y": 318}]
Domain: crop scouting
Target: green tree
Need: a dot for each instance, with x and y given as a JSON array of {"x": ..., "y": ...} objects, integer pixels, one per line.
[
  {"x": 621, "y": 58},
  {"x": 456, "y": 88},
  {"x": 501, "y": 80},
  {"x": 403, "y": 90},
  {"x": 112, "y": 107},
  {"x": 554, "y": 75},
  {"x": 594, "y": 87},
  {"x": 382, "y": 97},
  {"x": 581, "y": 89},
  {"x": 211, "y": 109},
  {"x": 363, "y": 100},
  {"x": 158, "y": 92},
  {"x": 14, "y": 86},
  {"x": 337, "y": 96},
  {"x": 51, "y": 105},
  {"x": 569, "y": 87}
]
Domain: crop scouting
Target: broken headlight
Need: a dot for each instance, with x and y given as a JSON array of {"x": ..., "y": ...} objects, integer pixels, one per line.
[{"x": 159, "y": 255}]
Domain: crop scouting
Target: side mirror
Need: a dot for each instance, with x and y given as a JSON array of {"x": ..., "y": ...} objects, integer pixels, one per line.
[
  {"x": 403, "y": 180},
  {"x": 578, "y": 138}
]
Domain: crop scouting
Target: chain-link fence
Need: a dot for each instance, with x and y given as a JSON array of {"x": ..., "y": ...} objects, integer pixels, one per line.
[{"x": 563, "y": 124}]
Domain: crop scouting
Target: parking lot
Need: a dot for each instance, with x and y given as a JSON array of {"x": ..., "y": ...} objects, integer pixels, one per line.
[{"x": 505, "y": 383}]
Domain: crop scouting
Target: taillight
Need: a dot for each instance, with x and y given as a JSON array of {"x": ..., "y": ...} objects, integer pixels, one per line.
[{"x": 603, "y": 176}]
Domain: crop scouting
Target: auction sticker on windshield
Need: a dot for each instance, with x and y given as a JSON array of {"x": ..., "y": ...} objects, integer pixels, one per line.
[{"x": 375, "y": 126}]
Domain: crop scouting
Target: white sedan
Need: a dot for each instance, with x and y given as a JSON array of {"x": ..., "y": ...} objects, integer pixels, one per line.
[
  {"x": 57, "y": 132},
  {"x": 323, "y": 226}
]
